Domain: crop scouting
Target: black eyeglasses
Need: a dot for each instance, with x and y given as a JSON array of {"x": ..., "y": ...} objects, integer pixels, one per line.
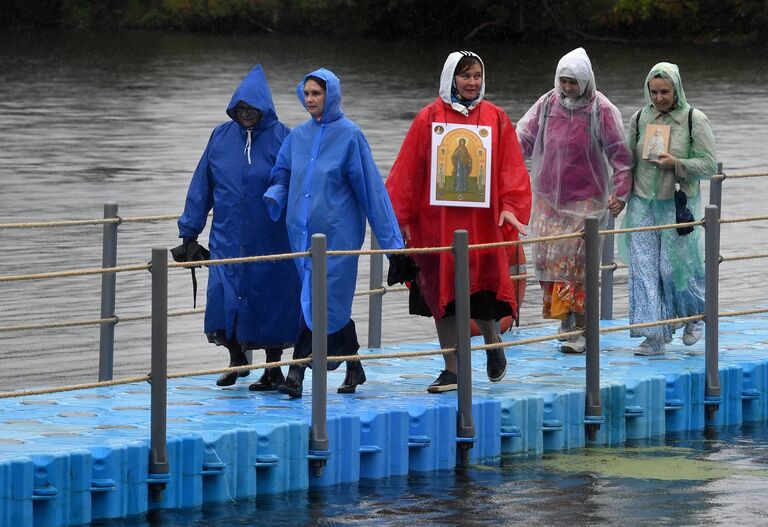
[{"x": 247, "y": 110}]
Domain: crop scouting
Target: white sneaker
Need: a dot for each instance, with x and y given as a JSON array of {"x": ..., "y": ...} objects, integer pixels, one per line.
[
  {"x": 566, "y": 325},
  {"x": 650, "y": 347},
  {"x": 692, "y": 332},
  {"x": 574, "y": 345}
]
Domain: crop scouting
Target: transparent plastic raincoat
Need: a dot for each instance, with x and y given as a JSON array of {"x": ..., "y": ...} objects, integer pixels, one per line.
[
  {"x": 326, "y": 176},
  {"x": 433, "y": 226},
  {"x": 256, "y": 302},
  {"x": 666, "y": 270},
  {"x": 579, "y": 158}
]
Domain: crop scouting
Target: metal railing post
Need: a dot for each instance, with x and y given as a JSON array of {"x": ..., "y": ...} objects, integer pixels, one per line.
[
  {"x": 318, "y": 438},
  {"x": 465, "y": 428},
  {"x": 711, "y": 304},
  {"x": 375, "y": 300},
  {"x": 606, "y": 276},
  {"x": 716, "y": 191},
  {"x": 593, "y": 414},
  {"x": 158, "y": 476},
  {"x": 108, "y": 282}
]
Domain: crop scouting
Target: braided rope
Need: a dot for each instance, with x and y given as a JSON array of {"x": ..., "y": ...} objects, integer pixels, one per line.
[
  {"x": 75, "y": 387},
  {"x": 740, "y": 175},
  {"x": 653, "y": 227},
  {"x": 744, "y": 219},
  {"x": 743, "y": 257},
  {"x": 76, "y": 272}
]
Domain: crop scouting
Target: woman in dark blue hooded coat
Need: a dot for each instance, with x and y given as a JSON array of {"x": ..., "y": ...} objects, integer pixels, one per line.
[
  {"x": 326, "y": 176},
  {"x": 253, "y": 305}
]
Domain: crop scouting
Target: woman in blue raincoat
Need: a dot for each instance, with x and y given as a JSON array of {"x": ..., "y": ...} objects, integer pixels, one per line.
[
  {"x": 326, "y": 177},
  {"x": 253, "y": 305}
]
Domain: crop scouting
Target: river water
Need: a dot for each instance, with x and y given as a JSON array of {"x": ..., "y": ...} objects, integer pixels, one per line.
[
  {"x": 714, "y": 478},
  {"x": 87, "y": 118}
]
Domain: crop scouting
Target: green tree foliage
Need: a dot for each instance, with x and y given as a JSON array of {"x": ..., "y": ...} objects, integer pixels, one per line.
[{"x": 577, "y": 19}]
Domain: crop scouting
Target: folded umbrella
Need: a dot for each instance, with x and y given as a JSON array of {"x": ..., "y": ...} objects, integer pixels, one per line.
[{"x": 682, "y": 213}]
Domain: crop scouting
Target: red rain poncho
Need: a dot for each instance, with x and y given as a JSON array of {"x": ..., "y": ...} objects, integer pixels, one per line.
[{"x": 431, "y": 226}]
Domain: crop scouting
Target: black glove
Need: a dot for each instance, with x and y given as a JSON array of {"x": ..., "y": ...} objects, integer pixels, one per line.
[
  {"x": 402, "y": 269},
  {"x": 682, "y": 213},
  {"x": 190, "y": 251}
]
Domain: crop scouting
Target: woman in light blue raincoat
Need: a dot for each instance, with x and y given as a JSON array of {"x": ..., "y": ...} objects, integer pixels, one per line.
[
  {"x": 666, "y": 270},
  {"x": 326, "y": 177},
  {"x": 254, "y": 305}
]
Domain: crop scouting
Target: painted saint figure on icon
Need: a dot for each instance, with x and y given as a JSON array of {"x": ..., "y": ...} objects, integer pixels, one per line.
[{"x": 460, "y": 159}]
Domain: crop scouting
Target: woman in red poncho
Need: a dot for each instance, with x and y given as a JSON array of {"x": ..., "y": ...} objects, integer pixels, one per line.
[{"x": 492, "y": 201}]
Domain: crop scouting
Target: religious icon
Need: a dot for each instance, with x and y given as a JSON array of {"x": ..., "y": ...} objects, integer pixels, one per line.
[
  {"x": 656, "y": 141},
  {"x": 461, "y": 160}
]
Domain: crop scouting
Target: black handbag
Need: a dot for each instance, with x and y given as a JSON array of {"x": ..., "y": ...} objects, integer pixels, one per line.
[{"x": 682, "y": 213}]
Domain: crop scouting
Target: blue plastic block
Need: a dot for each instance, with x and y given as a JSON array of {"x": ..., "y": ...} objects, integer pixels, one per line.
[
  {"x": 61, "y": 491},
  {"x": 185, "y": 462},
  {"x": 613, "y": 429},
  {"x": 281, "y": 457},
  {"x": 521, "y": 419},
  {"x": 575, "y": 432},
  {"x": 753, "y": 390},
  {"x": 16, "y": 492},
  {"x": 554, "y": 423},
  {"x": 137, "y": 458},
  {"x": 486, "y": 414},
  {"x": 431, "y": 437},
  {"x": 383, "y": 443},
  {"x": 343, "y": 464},
  {"x": 731, "y": 386},
  {"x": 644, "y": 407},
  {"x": 219, "y": 466},
  {"x": 697, "y": 400},
  {"x": 678, "y": 404},
  {"x": 20, "y": 473},
  {"x": 109, "y": 482}
]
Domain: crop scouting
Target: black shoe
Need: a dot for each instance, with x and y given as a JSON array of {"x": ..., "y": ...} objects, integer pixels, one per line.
[
  {"x": 236, "y": 358},
  {"x": 445, "y": 382},
  {"x": 269, "y": 381},
  {"x": 496, "y": 365},
  {"x": 355, "y": 375},
  {"x": 293, "y": 383}
]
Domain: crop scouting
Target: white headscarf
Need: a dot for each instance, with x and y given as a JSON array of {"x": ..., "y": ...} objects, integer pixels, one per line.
[
  {"x": 576, "y": 65},
  {"x": 446, "y": 81}
]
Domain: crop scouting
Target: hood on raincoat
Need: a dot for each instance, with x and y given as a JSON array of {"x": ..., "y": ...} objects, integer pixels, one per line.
[
  {"x": 332, "y": 108},
  {"x": 255, "y": 91},
  {"x": 576, "y": 65},
  {"x": 671, "y": 73},
  {"x": 446, "y": 81}
]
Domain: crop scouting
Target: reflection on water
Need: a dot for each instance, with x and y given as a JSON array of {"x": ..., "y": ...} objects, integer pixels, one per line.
[
  {"x": 725, "y": 483},
  {"x": 87, "y": 118}
]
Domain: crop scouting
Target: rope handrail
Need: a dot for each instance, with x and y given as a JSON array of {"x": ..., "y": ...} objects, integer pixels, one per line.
[
  {"x": 739, "y": 175},
  {"x": 92, "y": 222},
  {"x": 743, "y": 219},
  {"x": 98, "y": 321},
  {"x": 370, "y": 356},
  {"x": 743, "y": 257},
  {"x": 75, "y": 272}
]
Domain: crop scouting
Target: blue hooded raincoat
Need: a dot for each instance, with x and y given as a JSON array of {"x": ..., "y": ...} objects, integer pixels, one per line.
[
  {"x": 257, "y": 302},
  {"x": 326, "y": 176}
]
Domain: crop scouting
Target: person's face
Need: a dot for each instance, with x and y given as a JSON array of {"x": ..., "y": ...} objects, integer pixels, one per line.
[
  {"x": 314, "y": 98},
  {"x": 247, "y": 115},
  {"x": 570, "y": 87},
  {"x": 469, "y": 82},
  {"x": 662, "y": 94}
]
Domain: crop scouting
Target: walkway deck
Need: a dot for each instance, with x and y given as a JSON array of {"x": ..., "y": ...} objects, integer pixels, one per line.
[{"x": 77, "y": 456}]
